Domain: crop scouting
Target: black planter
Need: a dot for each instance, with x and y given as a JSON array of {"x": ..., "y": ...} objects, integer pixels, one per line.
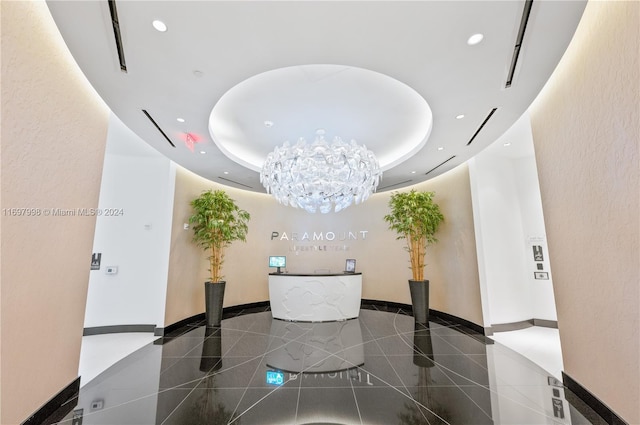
[
  {"x": 422, "y": 346},
  {"x": 420, "y": 300},
  {"x": 213, "y": 298},
  {"x": 211, "y": 359}
]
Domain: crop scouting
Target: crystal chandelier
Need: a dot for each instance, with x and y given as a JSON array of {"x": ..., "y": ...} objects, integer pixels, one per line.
[{"x": 321, "y": 176}]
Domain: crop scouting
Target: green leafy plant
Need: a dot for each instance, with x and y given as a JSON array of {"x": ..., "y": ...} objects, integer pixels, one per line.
[
  {"x": 216, "y": 222},
  {"x": 415, "y": 217}
]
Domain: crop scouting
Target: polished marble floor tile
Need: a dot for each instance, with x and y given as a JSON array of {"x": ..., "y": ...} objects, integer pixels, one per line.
[{"x": 381, "y": 368}]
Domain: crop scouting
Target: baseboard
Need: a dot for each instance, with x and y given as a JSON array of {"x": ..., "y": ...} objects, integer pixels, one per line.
[
  {"x": 460, "y": 321},
  {"x": 593, "y": 402},
  {"x": 100, "y": 330},
  {"x": 58, "y": 407},
  {"x": 179, "y": 324},
  {"x": 239, "y": 310},
  {"x": 386, "y": 306},
  {"x": 553, "y": 324},
  {"x": 408, "y": 309},
  {"x": 227, "y": 312},
  {"x": 516, "y": 326},
  {"x": 513, "y": 326}
]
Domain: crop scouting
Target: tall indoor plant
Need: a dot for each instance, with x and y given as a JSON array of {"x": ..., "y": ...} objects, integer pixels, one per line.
[
  {"x": 216, "y": 222},
  {"x": 416, "y": 217}
]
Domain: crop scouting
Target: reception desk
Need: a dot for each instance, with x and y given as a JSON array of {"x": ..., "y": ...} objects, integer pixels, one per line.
[{"x": 315, "y": 297}]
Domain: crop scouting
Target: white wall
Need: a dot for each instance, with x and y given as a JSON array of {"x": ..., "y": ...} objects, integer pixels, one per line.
[
  {"x": 140, "y": 182},
  {"x": 508, "y": 222},
  {"x": 541, "y": 291}
]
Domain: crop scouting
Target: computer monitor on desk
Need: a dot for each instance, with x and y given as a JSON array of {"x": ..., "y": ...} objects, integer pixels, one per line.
[{"x": 278, "y": 261}]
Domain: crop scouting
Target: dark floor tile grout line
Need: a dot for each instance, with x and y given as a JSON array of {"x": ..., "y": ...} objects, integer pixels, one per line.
[
  {"x": 441, "y": 366},
  {"x": 355, "y": 400},
  {"x": 418, "y": 403},
  {"x": 254, "y": 374},
  {"x": 447, "y": 372},
  {"x": 406, "y": 392}
]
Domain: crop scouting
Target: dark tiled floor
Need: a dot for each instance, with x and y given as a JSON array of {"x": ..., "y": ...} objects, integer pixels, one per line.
[{"x": 381, "y": 368}]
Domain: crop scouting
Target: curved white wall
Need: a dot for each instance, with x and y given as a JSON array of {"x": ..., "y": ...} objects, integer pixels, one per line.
[
  {"x": 509, "y": 222},
  {"x": 138, "y": 182}
]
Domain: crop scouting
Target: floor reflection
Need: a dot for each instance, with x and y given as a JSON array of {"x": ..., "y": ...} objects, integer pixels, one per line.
[
  {"x": 381, "y": 368},
  {"x": 315, "y": 347}
]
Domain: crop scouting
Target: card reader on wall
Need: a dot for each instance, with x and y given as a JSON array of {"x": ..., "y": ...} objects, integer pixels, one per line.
[{"x": 111, "y": 270}]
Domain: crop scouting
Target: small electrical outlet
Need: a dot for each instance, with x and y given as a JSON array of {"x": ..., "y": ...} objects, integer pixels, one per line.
[
  {"x": 97, "y": 404},
  {"x": 111, "y": 270}
]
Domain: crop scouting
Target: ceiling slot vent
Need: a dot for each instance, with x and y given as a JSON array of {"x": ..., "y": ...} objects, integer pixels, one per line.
[
  {"x": 392, "y": 185},
  {"x": 235, "y": 182},
  {"x": 482, "y": 125},
  {"x": 116, "y": 33},
  {"x": 516, "y": 49},
  {"x": 158, "y": 127},
  {"x": 439, "y": 165}
]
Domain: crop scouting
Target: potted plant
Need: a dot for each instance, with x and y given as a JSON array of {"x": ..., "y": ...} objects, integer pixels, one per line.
[
  {"x": 216, "y": 222},
  {"x": 416, "y": 217}
]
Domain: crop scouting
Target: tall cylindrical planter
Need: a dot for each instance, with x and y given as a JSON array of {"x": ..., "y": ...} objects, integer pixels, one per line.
[
  {"x": 211, "y": 359},
  {"x": 213, "y": 298},
  {"x": 420, "y": 300},
  {"x": 422, "y": 345}
]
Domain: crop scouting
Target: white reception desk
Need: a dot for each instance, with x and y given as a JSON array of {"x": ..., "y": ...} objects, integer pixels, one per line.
[{"x": 315, "y": 297}]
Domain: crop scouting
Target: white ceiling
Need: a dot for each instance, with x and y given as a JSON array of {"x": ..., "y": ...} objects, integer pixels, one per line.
[{"x": 217, "y": 48}]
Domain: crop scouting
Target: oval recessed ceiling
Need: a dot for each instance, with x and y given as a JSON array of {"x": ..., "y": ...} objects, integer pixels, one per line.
[{"x": 387, "y": 116}]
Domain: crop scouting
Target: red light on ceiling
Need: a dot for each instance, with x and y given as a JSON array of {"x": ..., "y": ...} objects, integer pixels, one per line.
[{"x": 190, "y": 140}]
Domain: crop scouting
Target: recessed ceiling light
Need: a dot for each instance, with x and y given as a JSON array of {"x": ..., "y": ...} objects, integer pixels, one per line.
[
  {"x": 226, "y": 172},
  {"x": 159, "y": 25},
  {"x": 440, "y": 148},
  {"x": 507, "y": 144},
  {"x": 413, "y": 172},
  {"x": 180, "y": 119},
  {"x": 459, "y": 117},
  {"x": 475, "y": 39},
  {"x": 268, "y": 124},
  {"x": 203, "y": 152}
]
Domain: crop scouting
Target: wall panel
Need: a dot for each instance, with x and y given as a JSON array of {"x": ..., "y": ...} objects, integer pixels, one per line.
[
  {"x": 53, "y": 136},
  {"x": 586, "y": 127}
]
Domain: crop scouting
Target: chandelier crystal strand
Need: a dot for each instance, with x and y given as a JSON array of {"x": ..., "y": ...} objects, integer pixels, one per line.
[{"x": 319, "y": 176}]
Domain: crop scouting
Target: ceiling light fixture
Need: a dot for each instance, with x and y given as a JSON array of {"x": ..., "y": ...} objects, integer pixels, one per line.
[
  {"x": 475, "y": 39},
  {"x": 321, "y": 176},
  {"x": 159, "y": 25},
  {"x": 440, "y": 148},
  {"x": 180, "y": 119},
  {"x": 268, "y": 124},
  {"x": 459, "y": 117}
]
